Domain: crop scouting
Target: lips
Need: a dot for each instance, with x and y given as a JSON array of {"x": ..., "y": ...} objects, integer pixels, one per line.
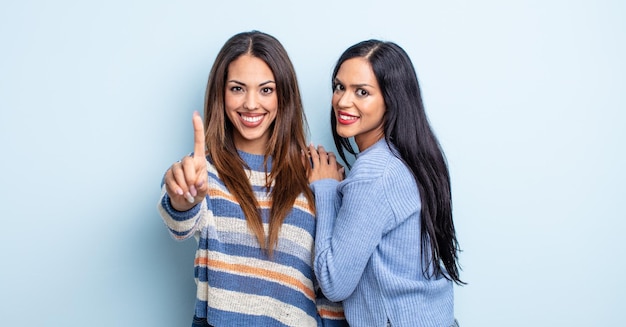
[
  {"x": 251, "y": 120},
  {"x": 346, "y": 119}
]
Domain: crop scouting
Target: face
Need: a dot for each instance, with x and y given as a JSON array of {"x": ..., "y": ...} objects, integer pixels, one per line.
[
  {"x": 251, "y": 102},
  {"x": 358, "y": 103}
]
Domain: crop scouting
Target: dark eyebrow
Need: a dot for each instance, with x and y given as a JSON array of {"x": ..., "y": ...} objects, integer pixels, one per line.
[
  {"x": 337, "y": 81},
  {"x": 242, "y": 83}
]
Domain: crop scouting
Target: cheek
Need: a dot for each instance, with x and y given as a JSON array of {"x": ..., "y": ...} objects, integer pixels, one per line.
[
  {"x": 334, "y": 100},
  {"x": 381, "y": 112},
  {"x": 271, "y": 104},
  {"x": 231, "y": 102},
  {"x": 379, "y": 108}
]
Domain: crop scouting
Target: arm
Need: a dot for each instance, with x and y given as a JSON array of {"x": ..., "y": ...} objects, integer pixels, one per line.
[
  {"x": 326, "y": 173},
  {"x": 346, "y": 238},
  {"x": 181, "y": 224},
  {"x": 184, "y": 188}
]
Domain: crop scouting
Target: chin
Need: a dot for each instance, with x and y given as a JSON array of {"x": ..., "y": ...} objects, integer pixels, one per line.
[{"x": 343, "y": 134}]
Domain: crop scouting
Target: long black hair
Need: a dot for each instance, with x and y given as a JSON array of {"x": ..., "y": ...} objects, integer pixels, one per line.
[{"x": 407, "y": 128}]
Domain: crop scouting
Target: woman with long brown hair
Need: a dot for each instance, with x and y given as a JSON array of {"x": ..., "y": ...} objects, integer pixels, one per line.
[{"x": 244, "y": 194}]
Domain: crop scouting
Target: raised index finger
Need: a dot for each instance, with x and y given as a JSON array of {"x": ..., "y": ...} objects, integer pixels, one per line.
[{"x": 198, "y": 136}]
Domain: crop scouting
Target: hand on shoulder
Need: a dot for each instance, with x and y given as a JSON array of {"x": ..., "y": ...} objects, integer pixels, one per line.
[{"x": 323, "y": 164}]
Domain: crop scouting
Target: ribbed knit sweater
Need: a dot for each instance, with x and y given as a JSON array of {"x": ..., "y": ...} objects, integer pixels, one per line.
[
  {"x": 237, "y": 283},
  {"x": 367, "y": 246}
]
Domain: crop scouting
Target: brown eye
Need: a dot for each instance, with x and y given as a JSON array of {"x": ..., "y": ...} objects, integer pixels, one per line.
[
  {"x": 361, "y": 93},
  {"x": 338, "y": 87}
]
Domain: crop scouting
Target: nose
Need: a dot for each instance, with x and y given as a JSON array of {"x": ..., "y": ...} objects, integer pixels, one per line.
[
  {"x": 344, "y": 99},
  {"x": 251, "y": 102}
]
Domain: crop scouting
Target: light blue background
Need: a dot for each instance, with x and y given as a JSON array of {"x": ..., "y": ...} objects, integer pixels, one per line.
[{"x": 528, "y": 100}]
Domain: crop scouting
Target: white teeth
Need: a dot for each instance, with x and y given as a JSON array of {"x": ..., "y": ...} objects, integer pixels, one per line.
[
  {"x": 343, "y": 117},
  {"x": 252, "y": 119}
]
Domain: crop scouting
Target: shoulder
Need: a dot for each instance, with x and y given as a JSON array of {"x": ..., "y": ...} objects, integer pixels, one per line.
[
  {"x": 380, "y": 161},
  {"x": 381, "y": 170},
  {"x": 371, "y": 162}
]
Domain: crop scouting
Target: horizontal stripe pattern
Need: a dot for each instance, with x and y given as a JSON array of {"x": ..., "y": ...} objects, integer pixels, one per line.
[
  {"x": 261, "y": 269},
  {"x": 236, "y": 280},
  {"x": 252, "y": 305}
]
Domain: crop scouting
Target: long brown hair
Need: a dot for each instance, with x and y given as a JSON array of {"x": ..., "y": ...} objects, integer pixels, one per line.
[{"x": 285, "y": 144}]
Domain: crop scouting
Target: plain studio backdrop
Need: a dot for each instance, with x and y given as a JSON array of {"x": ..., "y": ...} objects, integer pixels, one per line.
[{"x": 528, "y": 99}]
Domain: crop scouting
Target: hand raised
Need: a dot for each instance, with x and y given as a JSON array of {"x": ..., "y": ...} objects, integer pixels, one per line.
[
  {"x": 186, "y": 180},
  {"x": 324, "y": 165}
]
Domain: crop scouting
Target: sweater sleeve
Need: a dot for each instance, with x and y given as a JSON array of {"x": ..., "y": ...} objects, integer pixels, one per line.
[
  {"x": 181, "y": 224},
  {"x": 327, "y": 204},
  {"x": 331, "y": 313},
  {"x": 347, "y": 235}
]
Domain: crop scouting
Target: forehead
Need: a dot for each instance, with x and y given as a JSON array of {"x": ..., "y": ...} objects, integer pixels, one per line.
[
  {"x": 248, "y": 67},
  {"x": 356, "y": 70}
]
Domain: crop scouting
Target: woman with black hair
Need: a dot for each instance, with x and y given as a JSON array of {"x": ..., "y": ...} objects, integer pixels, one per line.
[{"x": 385, "y": 241}]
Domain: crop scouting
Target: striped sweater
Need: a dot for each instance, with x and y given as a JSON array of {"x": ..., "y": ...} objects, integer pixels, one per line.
[{"x": 237, "y": 284}]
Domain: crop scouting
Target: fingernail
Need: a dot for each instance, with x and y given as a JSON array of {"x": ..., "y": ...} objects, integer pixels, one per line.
[
  {"x": 189, "y": 197},
  {"x": 179, "y": 191},
  {"x": 193, "y": 191}
]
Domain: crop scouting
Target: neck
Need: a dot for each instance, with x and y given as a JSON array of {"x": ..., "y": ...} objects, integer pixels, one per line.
[{"x": 365, "y": 141}]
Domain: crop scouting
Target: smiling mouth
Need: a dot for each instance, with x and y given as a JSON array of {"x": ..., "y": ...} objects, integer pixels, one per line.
[
  {"x": 345, "y": 119},
  {"x": 252, "y": 119}
]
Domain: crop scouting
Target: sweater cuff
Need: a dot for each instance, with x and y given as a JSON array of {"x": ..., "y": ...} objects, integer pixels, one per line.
[
  {"x": 324, "y": 185},
  {"x": 176, "y": 215}
]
